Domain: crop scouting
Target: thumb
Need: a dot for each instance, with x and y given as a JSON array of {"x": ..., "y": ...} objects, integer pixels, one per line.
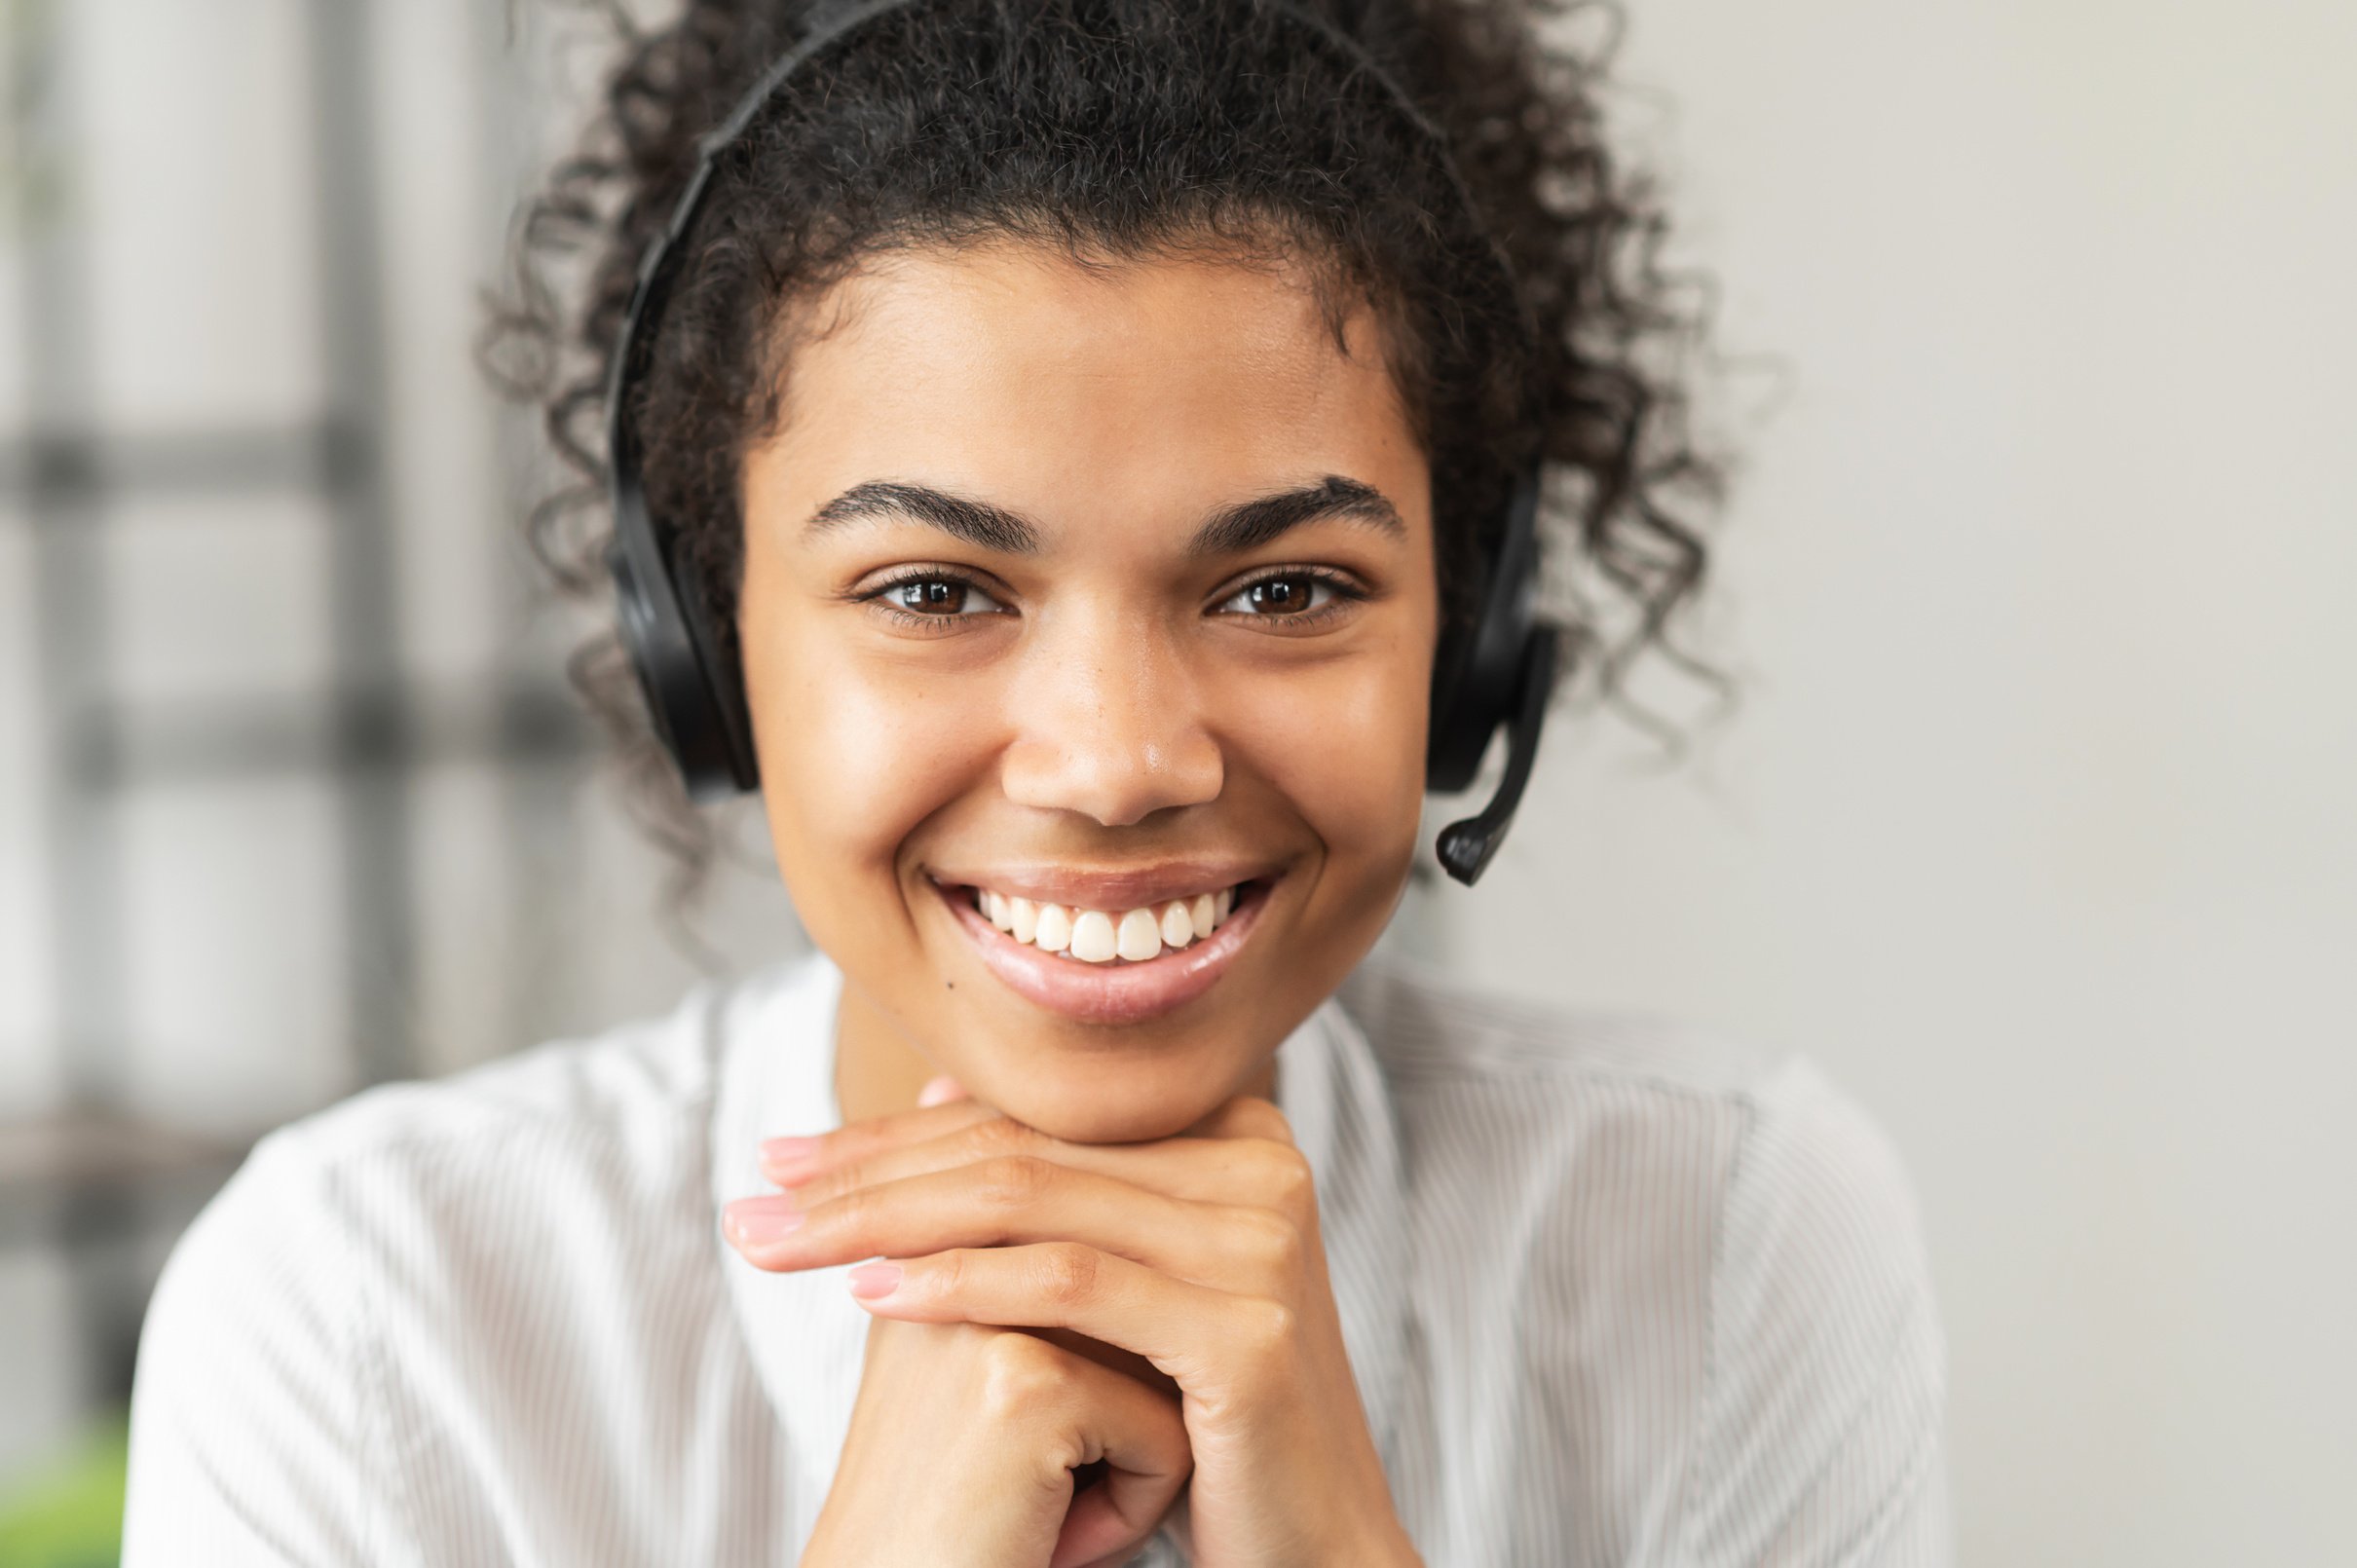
[{"x": 941, "y": 1091}]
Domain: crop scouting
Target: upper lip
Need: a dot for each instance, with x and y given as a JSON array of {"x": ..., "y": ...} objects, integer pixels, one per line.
[{"x": 1105, "y": 887}]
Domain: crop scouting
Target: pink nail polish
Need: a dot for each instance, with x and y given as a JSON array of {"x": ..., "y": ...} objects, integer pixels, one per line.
[
  {"x": 785, "y": 1156},
  {"x": 759, "y": 1220},
  {"x": 870, "y": 1280}
]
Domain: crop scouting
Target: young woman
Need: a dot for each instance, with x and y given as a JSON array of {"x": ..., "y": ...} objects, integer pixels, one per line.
[{"x": 1068, "y": 454}]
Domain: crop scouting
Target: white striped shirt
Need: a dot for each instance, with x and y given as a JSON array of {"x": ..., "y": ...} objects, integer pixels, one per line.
[{"x": 1614, "y": 1291}]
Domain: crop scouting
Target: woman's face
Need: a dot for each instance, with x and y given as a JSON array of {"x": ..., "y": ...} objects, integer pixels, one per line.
[{"x": 1106, "y": 590}]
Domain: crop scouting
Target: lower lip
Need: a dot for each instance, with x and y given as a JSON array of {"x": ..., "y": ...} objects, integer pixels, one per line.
[{"x": 1116, "y": 992}]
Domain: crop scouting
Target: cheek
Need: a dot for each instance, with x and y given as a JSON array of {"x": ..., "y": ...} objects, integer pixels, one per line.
[
  {"x": 853, "y": 758},
  {"x": 1345, "y": 749}
]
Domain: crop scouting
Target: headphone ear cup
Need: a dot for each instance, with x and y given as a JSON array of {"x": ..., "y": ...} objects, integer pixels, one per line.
[
  {"x": 697, "y": 712},
  {"x": 1459, "y": 730},
  {"x": 1477, "y": 672}
]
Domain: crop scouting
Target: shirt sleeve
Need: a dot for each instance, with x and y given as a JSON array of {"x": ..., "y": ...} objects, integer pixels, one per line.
[
  {"x": 1822, "y": 1431},
  {"x": 248, "y": 1427}
]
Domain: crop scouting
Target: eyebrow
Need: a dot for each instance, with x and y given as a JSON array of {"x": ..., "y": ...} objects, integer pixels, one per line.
[
  {"x": 977, "y": 522},
  {"x": 1229, "y": 530},
  {"x": 1250, "y": 524}
]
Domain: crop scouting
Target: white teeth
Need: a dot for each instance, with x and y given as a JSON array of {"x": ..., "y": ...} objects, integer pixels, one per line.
[
  {"x": 1093, "y": 937},
  {"x": 1100, "y": 936},
  {"x": 1139, "y": 937}
]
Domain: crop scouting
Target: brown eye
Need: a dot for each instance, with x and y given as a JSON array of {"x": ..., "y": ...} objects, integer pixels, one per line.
[
  {"x": 1285, "y": 593},
  {"x": 943, "y": 597},
  {"x": 933, "y": 594},
  {"x": 1279, "y": 596}
]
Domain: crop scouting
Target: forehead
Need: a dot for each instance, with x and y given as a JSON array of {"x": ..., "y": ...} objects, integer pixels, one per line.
[{"x": 1168, "y": 374}]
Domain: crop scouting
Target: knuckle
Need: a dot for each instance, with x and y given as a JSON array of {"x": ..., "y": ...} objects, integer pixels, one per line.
[
  {"x": 854, "y": 1212},
  {"x": 1018, "y": 1374},
  {"x": 1067, "y": 1272},
  {"x": 835, "y": 1184},
  {"x": 1266, "y": 1331},
  {"x": 1284, "y": 1175},
  {"x": 1271, "y": 1240},
  {"x": 1002, "y": 1135},
  {"x": 949, "y": 1272},
  {"x": 1013, "y": 1180}
]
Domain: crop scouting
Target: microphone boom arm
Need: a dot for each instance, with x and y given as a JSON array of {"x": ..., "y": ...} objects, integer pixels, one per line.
[{"x": 1465, "y": 846}]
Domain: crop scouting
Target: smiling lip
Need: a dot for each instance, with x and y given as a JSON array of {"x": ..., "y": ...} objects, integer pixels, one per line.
[{"x": 1108, "y": 992}]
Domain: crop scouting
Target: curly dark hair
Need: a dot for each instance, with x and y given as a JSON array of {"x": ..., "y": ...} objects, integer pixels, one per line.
[{"x": 1114, "y": 130}]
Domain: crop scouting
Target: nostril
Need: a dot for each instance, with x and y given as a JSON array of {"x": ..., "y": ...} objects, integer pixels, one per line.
[{"x": 1112, "y": 775}]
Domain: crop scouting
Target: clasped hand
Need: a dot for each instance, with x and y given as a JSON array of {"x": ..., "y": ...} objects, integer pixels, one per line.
[{"x": 1197, "y": 1255}]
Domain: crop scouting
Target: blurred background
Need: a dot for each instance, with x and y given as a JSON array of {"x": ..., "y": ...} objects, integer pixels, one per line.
[{"x": 2037, "y": 826}]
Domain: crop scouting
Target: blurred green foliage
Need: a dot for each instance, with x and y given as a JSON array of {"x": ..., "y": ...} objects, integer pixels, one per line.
[{"x": 68, "y": 1513}]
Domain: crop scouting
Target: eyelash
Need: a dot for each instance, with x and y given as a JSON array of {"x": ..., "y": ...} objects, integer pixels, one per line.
[
  {"x": 1345, "y": 590},
  {"x": 877, "y": 596}
]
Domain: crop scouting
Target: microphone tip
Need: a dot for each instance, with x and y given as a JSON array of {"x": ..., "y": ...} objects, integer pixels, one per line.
[{"x": 1465, "y": 848}]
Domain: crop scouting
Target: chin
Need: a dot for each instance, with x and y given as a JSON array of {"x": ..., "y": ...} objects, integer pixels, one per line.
[
  {"x": 1110, "y": 1100},
  {"x": 1103, "y": 1123}
]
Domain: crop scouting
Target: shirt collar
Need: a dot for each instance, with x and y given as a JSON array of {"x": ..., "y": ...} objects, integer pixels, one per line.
[{"x": 807, "y": 1337}]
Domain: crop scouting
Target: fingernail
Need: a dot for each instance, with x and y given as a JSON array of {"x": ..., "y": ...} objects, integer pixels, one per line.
[
  {"x": 871, "y": 1280},
  {"x": 756, "y": 1221},
  {"x": 788, "y": 1154},
  {"x": 938, "y": 1092}
]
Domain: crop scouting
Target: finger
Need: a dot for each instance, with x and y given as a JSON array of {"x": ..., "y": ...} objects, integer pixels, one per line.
[
  {"x": 1213, "y": 1342},
  {"x": 788, "y": 1160},
  {"x": 1141, "y": 1437},
  {"x": 940, "y": 1091},
  {"x": 1017, "y": 1199},
  {"x": 1241, "y": 1171}
]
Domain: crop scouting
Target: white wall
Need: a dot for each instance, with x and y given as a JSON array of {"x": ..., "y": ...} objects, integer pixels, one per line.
[{"x": 2036, "y": 828}]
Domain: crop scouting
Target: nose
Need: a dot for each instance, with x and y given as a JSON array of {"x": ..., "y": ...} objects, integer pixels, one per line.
[{"x": 1109, "y": 724}]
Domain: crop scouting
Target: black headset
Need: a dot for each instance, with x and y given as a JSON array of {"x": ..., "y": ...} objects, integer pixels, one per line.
[{"x": 1500, "y": 670}]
